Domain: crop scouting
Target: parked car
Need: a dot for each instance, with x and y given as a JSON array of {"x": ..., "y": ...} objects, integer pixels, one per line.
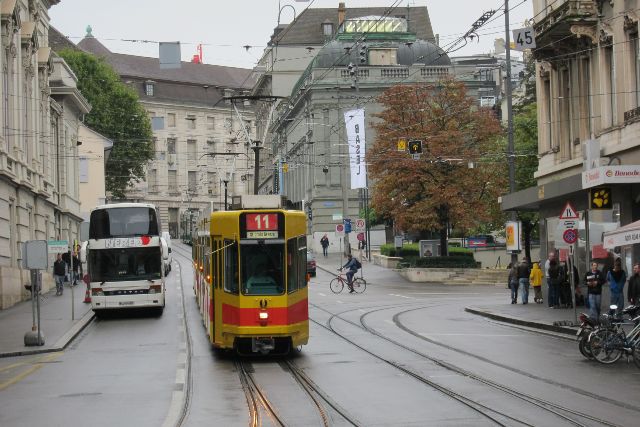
[
  {"x": 167, "y": 262},
  {"x": 311, "y": 264}
]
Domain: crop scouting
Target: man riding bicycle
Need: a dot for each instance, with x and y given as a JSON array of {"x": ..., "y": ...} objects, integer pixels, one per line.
[{"x": 353, "y": 265}]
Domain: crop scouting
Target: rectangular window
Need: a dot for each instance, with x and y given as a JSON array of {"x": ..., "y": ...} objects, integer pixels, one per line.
[
  {"x": 210, "y": 123},
  {"x": 191, "y": 121},
  {"x": 83, "y": 167},
  {"x": 231, "y": 267},
  {"x": 148, "y": 89},
  {"x": 171, "y": 120},
  {"x": 171, "y": 145},
  {"x": 191, "y": 149},
  {"x": 151, "y": 180},
  {"x": 173, "y": 181},
  {"x": 634, "y": 46},
  {"x": 192, "y": 181},
  {"x": 212, "y": 183},
  {"x": 610, "y": 85}
]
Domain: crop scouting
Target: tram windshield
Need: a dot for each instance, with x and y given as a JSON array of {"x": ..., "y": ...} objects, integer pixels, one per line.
[
  {"x": 118, "y": 265},
  {"x": 262, "y": 267}
]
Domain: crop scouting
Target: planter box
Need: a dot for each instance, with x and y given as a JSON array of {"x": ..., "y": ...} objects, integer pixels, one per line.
[{"x": 386, "y": 261}]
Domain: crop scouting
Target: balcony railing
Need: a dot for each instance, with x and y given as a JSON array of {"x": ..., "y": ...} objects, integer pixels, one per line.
[{"x": 572, "y": 11}]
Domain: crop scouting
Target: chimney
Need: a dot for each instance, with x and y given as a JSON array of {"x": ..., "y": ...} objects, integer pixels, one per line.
[{"x": 342, "y": 11}]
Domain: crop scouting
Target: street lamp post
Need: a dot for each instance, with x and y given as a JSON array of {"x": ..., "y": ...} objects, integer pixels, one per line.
[
  {"x": 256, "y": 167},
  {"x": 225, "y": 182}
]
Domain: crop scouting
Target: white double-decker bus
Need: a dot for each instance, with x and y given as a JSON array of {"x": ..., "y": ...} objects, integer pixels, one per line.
[{"x": 124, "y": 256}]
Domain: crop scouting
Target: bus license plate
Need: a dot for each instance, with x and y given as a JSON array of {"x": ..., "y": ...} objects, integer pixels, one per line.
[{"x": 125, "y": 303}]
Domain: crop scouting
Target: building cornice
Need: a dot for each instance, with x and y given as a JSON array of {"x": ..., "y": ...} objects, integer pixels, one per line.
[{"x": 80, "y": 101}]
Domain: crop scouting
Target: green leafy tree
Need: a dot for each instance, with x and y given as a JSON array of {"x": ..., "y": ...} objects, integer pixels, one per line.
[
  {"x": 117, "y": 114},
  {"x": 439, "y": 190}
]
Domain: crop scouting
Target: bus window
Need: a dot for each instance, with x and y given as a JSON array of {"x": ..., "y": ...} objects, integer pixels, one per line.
[
  {"x": 123, "y": 222},
  {"x": 262, "y": 268},
  {"x": 231, "y": 267}
]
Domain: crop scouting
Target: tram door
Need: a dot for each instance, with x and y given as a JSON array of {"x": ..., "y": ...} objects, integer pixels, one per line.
[{"x": 215, "y": 313}]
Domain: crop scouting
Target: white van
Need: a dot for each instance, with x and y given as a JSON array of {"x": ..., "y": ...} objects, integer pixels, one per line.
[{"x": 167, "y": 262}]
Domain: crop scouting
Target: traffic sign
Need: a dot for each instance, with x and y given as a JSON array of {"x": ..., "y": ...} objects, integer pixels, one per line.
[
  {"x": 58, "y": 246},
  {"x": 402, "y": 144},
  {"x": 347, "y": 225},
  {"x": 570, "y": 236},
  {"x": 360, "y": 224},
  {"x": 340, "y": 229},
  {"x": 360, "y": 236},
  {"x": 569, "y": 212},
  {"x": 524, "y": 38}
]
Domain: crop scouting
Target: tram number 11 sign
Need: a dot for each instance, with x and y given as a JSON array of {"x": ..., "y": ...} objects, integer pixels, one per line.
[{"x": 262, "y": 226}]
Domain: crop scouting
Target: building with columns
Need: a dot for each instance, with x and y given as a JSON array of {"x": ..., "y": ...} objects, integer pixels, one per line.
[
  {"x": 40, "y": 114},
  {"x": 195, "y": 131},
  {"x": 588, "y": 100}
]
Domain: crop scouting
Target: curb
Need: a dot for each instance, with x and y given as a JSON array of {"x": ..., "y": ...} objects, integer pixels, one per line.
[
  {"x": 527, "y": 323},
  {"x": 62, "y": 342}
]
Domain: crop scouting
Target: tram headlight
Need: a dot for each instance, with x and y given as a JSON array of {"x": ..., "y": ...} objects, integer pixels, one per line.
[{"x": 263, "y": 315}]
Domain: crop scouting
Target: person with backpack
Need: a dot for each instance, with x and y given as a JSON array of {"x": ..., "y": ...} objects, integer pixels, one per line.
[{"x": 353, "y": 265}]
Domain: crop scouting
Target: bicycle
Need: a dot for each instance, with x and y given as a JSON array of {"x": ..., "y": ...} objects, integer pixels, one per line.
[
  {"x": 337, "y": 284},
  {"x": 610, "y": 341}
]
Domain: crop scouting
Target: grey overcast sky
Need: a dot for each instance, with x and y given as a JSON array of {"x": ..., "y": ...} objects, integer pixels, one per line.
[{"x": 225, "y": 26}]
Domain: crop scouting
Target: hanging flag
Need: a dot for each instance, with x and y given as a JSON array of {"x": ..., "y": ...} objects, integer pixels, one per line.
[{"x": 354, "y": 122}]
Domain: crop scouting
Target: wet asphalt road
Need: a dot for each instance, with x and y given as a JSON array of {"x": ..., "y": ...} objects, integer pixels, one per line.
[{"x": 399, "y": 354}]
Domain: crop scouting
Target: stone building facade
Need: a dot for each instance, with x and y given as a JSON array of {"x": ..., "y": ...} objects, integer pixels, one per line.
[
  {"x": 588, "y": 100},
  {"x": 41, "y": 109},
  {"x": 194, "y": 131}
]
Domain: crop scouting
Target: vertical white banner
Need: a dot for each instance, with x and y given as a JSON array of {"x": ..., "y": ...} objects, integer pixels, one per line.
[{"x": 354, "y": 122}]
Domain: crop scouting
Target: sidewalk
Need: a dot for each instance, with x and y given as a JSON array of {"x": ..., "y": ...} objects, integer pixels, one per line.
[
  {"x": 532, "y": 315},
  {"x": 55, "y": 321}
]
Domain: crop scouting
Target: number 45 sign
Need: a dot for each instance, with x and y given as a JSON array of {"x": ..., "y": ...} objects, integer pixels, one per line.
[{"x": 524, "y": 38}]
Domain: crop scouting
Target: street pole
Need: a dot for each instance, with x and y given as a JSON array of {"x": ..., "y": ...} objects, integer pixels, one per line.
[
  {"x": 510, "y": 144},
  {"x": 256, "y": 168},
  {"x": 225, "y": 182}
]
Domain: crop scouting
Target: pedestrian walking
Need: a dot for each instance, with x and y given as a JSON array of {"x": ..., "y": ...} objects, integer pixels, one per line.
[
  {"x": 555, "y": 278},
  {"x": 324, "y": 242},
  {"x": 552, "y": 295},
  {"x": 633, "y": 293},
  {"x": 362, "y": 249},
  {"x": 616, "y": 279},
  {"x": 59, "y": 273},
  {"x": 524, "y": 271},
  {"x": 594, "y": 280},
  {"x": 513, "y": 283},
  {"x": 535, "y": 279}
]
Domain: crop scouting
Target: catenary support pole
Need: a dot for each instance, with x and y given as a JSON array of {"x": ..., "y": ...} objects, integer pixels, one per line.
[{"x": 510, "y": 143}]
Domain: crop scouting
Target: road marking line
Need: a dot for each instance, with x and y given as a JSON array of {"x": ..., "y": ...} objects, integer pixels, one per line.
[
  {"x": 321, "y": 294},
  {"x": 340, "y": 302},
  {"x": 29, "y": 371},
  {"x": 388, "y": 321},
  {"x": 402, "y": 296},
  {"x": 465, "y": 335},
  {"x": 361, "y": 310}
]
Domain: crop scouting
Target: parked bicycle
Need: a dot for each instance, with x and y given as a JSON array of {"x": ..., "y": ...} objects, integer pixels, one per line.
[
  {"x": 338, "y": 283},
  {"x": 610, "y": 341}
]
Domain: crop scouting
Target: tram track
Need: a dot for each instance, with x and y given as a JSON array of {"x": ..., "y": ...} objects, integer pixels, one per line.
[{"x": 550, "y": 407}]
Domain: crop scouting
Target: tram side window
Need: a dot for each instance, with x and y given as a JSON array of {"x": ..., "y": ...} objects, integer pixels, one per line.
[
  {"x": 302, "y": 261},
  {"x": 214, "y": 264},
  {"x": 207, "y": 260},
  {"x": 296, "y": 263},
  {"x": 231, "y": 267}
]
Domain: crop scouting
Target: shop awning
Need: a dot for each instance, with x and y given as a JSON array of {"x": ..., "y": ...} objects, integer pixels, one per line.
[{"x": 625, "y": 235}]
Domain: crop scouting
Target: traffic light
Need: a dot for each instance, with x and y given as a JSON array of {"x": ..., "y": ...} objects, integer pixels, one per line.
[
  {"x": 352, "y": 69},
  {"x": 415, "y": 146},
  {"x": 363, "y": 54},
  {"x": 600, "y": 198}
]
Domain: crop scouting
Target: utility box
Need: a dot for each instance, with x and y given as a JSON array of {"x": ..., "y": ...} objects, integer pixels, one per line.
[{"x": 429, "y": 248}]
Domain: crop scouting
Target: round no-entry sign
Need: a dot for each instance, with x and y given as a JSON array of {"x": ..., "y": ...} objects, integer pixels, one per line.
[
  {"x": 340, "y": 228},
  {"x": 360, "y": 236},
  {"x": 570, "y": 236}
]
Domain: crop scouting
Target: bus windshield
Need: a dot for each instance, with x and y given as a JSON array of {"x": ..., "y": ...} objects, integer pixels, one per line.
[
  {"x": 262, "y": 265},
  {"x": 118, "y": 265},
  {"x": 123, "y": 222}
]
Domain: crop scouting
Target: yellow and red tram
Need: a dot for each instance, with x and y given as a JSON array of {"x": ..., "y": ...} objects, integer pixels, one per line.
[{"x": 251, "y": 276}]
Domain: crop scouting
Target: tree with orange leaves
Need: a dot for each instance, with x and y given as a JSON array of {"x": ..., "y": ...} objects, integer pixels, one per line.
[{"x": 440, "y": 188}]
